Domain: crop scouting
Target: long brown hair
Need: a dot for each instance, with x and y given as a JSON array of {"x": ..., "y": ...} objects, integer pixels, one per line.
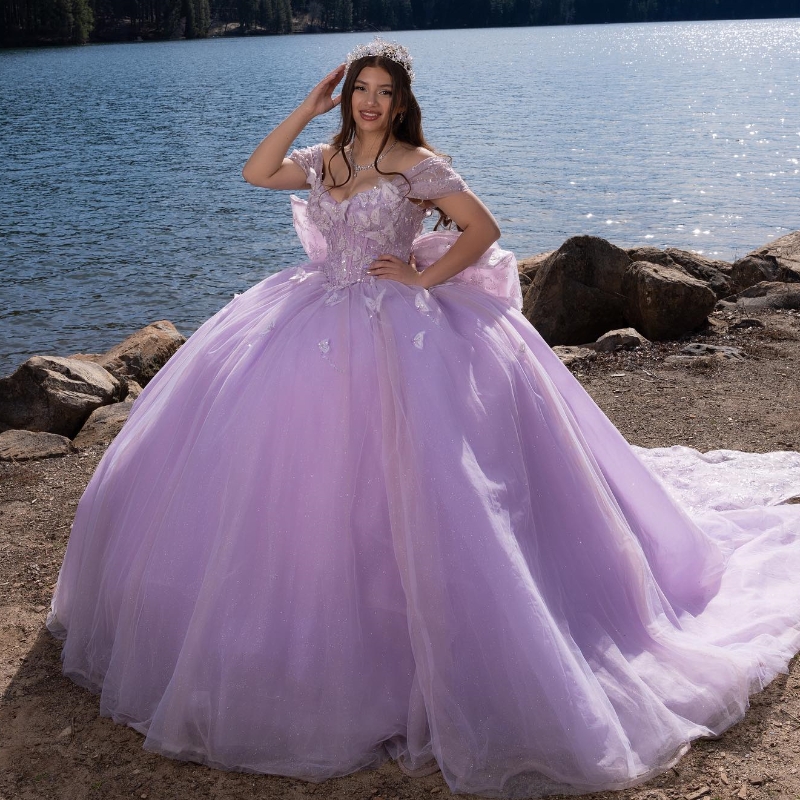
[{"x": 406, "y": 126}]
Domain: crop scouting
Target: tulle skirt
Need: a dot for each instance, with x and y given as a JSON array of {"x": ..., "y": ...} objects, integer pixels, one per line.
[{"x": 341, "y": 527}]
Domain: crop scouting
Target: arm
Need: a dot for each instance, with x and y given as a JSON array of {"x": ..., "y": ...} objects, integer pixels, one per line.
[
  {"x": 479, "y": 231},
  {"x": 267, "y": 166}
]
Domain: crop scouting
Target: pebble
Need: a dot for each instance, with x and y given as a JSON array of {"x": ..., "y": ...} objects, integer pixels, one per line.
[{"x": 748, "y": 323}]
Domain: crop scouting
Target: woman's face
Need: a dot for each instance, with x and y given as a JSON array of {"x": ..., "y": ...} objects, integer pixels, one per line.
[{"x": 372, "y": 100}]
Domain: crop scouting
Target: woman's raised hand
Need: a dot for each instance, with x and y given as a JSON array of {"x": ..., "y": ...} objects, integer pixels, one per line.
[
  {"x": 268, "y": 166},
  {"x": 320, "y": 99}
]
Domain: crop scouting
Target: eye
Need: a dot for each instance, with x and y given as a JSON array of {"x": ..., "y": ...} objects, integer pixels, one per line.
[{"x": 359, "y": 88}]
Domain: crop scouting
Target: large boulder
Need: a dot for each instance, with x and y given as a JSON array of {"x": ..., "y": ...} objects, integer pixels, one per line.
[
  {"x": 57, "y": 395},
  {"x": 103, "y": 425},
  {"x": 27, "y": 445},
  {"x": 664, "y": 302},
  {"x": 767, "y": 295},
  {"x": 140, "y": 355},
  {"x": 576, "y": 294},
  {"x": 777, "y": 261},
  {"x": 716, "y": 274}
]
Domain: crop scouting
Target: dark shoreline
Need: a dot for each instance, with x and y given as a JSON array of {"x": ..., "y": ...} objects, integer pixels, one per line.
[{"x": 127, "y": 32}]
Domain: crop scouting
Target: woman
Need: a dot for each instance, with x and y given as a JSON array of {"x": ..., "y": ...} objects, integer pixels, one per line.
[{"x": 364, "y": 512}]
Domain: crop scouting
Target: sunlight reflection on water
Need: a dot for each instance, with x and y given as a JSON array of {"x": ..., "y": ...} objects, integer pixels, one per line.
[{"x": 123, "y": 200}]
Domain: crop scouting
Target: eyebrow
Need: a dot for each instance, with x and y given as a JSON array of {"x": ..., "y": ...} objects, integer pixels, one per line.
[{"x": 381, "y": 86}]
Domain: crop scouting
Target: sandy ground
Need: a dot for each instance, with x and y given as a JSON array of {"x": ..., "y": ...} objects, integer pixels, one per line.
[{"x": 53, "y": 744}]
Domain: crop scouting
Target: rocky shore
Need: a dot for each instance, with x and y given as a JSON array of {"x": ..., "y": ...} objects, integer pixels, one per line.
[
  {"x": 587, "y": 297},
  {"x": 726, "y": 379}
]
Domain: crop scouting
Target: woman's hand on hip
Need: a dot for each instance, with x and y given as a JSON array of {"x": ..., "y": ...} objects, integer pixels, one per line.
[{"x": 388, "y": 266}]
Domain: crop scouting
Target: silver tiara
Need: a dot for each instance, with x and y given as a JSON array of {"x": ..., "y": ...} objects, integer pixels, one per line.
[{"x": 380, "y": 47}]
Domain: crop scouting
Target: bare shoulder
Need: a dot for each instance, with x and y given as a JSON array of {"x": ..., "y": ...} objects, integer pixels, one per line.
[
  {"x": 411, "y": 156},
  {"x": 327, "y": 151}
]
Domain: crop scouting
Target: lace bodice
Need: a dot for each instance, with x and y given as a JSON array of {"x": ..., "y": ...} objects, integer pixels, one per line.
[{"x": 380, "y": 220}]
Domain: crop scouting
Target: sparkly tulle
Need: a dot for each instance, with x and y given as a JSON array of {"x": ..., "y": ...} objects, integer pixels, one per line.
[{"x": 353, "y": 520}]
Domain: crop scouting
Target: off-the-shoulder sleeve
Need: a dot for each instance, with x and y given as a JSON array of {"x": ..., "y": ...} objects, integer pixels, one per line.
[
  {"x": 435, "y": 178},
  {"x": 309, "y": 159}
]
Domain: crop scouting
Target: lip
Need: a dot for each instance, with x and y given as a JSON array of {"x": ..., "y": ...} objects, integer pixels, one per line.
[{"x": 369, "y": 116}]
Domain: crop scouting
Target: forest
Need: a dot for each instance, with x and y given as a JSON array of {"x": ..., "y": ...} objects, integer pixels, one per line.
[{"x": 49, "y": 22}]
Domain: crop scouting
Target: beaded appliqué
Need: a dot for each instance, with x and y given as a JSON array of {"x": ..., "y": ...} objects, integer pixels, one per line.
[
  {"x": 381, "y": 219},
  {"x": 324, "y": 346},
  {"x": 419, "y": 340}
]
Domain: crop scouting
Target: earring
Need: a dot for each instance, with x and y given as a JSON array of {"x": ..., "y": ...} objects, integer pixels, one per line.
[{"x": 401, "y": 116}]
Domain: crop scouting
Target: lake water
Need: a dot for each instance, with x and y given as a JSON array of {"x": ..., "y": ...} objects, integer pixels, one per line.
[{"x": 122, "y": 201}]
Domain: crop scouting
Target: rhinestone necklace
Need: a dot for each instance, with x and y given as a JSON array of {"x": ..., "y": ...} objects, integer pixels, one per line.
[{"x": 362, "y": 167}]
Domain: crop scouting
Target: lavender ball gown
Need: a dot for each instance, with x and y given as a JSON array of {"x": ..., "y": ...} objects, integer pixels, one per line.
[{"x": 353, "y": 519}]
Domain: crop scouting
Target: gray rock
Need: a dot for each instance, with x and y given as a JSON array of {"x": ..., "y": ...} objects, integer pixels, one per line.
[
  {"x": 664, "y": 302},
  {"x": 576, "y": 294},
  {"x": 720, "y": 351},
  {"x": 27, "y": 445},
  {"x": 140, "y": 355},
  {"x": 103, "y": 425},
  {"x": 622, "y": 339},
  {"x": 715, "y": 274},
  {"x": 768, "y": 295},
  {"x": 57, "y": 395},
  {"x": 777, "y": 261},
  {"x": 571, "y": 355},
  {"x": 744, "y": 324}
]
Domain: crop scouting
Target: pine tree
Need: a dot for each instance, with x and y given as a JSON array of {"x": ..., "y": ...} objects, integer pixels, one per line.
[{"x": 248, "y": 13}]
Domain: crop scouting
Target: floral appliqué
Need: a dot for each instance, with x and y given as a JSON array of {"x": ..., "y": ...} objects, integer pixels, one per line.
[{"x": 421, "y": 303}]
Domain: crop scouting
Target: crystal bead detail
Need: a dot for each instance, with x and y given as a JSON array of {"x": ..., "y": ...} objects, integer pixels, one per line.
[{"x": 418, "y": 340}]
